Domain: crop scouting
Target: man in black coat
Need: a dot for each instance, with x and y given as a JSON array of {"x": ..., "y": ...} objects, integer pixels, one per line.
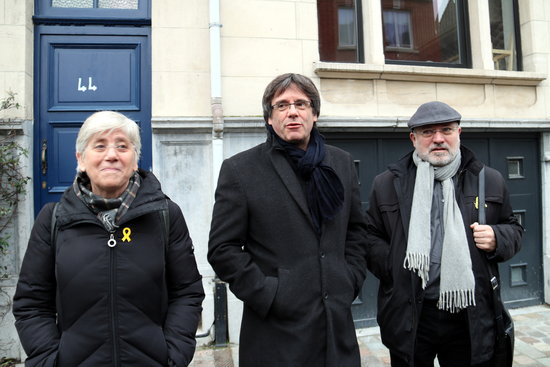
[
  {"x": 429, "y": 251},
  {"x": 289, "y": 237}
]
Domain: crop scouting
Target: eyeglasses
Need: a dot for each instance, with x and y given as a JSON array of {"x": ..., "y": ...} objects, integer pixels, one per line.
[
  {"x": 283, "y": 106},
  {"x": 428, "y": 133},
  {"x": 102, "y": 148}
]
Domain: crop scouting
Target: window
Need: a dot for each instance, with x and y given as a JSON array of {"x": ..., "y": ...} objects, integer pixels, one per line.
[
  {"x": 425, "y": 31},
  {"x": 105, "y": 4},
  {"x": 72, "y": 3},
  {"x": 397, "y": 28},
  {"x": 505, "y": 34},
  {"x": 515, "y": 167},
  {"x": 340, "y": 32},
  {"x": 108, "y": 12},
  {"x": 520, "y": 216},
  {"x": 347, "y": 36},
  {"x": 518, "y": 275}
]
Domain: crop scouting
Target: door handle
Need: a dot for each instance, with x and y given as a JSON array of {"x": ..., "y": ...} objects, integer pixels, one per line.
[{"x": 43, "y": 160}]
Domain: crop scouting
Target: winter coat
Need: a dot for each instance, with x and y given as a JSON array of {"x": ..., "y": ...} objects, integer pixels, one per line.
[
  {"x": 135, "y": 304},
  {"x": 297, "y": 287},
  {"x": 400, "y": 294}
]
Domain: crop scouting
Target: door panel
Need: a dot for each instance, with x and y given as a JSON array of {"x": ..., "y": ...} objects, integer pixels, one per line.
[
  {"x": 521, "y": 277},
  {"x": 82, "y": 70},
  {"x": 81, "y": 79},
  {"x": 61, "y": 162}
]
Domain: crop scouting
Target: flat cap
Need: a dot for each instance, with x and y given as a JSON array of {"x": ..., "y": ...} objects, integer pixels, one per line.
[{"x": 433, "y": 113}]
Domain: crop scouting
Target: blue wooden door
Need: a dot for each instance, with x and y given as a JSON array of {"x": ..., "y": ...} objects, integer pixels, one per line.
[{"x": 80, "y": 70}]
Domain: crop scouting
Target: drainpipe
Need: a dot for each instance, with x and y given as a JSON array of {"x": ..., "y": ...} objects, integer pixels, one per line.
[
  {"x": 216, "y": 88},
  {"x": 220, "y": 290},
  {"x": 215, "y": 69}
]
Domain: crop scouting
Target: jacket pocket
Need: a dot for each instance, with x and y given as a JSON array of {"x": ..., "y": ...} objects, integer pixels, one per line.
[
  {"x": 391, "y": 219},
  {"x": 493, "y": 205},
  {"x": 352, "y": 283},
  {"x": 286, "y": 304},
  {"x": 493, "y": 208}
]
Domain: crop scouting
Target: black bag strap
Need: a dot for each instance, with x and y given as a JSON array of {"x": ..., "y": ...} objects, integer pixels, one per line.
[
  {"x": 53, "y": 228},
  {"x": 165, "y": 222},
  {"x": 497, "y": 302},
  {"x": 481, "y": 197}
]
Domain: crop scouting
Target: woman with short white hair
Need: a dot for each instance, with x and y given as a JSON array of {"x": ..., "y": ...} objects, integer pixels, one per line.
[{"x": 109, "y": 277}]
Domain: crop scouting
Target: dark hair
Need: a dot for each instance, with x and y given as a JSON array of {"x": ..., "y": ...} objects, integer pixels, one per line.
[{"x": 281, "y": 83}]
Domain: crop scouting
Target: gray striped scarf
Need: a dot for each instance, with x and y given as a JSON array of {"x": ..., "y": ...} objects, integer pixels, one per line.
[
  {"x": 457, "y": 284},
  {"x": 108, "y": 211}
]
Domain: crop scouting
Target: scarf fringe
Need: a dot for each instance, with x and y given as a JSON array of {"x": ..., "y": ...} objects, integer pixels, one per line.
[
  {"x": 419, "y": 263},
  {"x": 454, "y": 301}
]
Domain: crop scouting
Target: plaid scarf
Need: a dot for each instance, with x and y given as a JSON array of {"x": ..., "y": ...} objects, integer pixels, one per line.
[{"x": 108, "y": 211}]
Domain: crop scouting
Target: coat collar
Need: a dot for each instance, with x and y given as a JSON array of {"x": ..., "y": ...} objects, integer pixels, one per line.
[
  {"x": 285, "y": 171},
  {"x": 290, "y": 180},
  {"x": 404, "y": 171}
]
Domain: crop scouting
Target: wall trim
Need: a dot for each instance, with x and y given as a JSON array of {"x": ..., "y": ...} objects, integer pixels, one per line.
[
  {"x": 335, "y": 124},
  {"x": 333, "y": 70},
  {"x": 400, "y": 124}
]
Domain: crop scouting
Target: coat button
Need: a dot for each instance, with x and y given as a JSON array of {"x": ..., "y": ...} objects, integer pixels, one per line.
[
  {"x": 325, "y": 295},
  {"x": 322, "y": 255}
]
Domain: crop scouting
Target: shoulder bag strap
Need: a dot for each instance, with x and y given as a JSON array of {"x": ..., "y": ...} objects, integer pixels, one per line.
[
  {"x": 53, "y": 227},
  {"x": 165, "y": 222},
  {"x": 481, "y": 197},
  {"x": 497, "y": 303}
]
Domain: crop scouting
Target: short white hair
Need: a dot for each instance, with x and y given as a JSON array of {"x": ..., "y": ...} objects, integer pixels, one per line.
[{"x": 108, "y": 121}]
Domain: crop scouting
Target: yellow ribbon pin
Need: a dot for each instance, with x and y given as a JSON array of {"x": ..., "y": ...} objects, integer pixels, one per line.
[
  {"x": 476, "y": 203},
  {"x": 127, "y": 232}
]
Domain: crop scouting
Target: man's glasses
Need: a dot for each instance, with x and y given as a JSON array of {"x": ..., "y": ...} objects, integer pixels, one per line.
[
  {"x": 428, "y": 133},
  {"x": 283, "y": 106}
]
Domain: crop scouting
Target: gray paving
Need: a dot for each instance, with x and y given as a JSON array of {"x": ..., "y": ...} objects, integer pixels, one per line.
[{"x": 532, "y": 349}]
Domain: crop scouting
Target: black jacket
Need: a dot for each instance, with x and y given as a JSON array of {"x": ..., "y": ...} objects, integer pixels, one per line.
[
  {"x": 135, "y": 304},
  {"x": 400, "y": 294},
  {"x": 297, "y": 287}
]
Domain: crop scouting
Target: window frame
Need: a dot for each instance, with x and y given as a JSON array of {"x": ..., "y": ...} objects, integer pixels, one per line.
[
  {"x": 464, "y": 44},
  {"x": 518, "y": 59},
  {"x": 517, "y": 25},
  {"x": 45, "y": 13},
  {"x": 335, "y": 47}
]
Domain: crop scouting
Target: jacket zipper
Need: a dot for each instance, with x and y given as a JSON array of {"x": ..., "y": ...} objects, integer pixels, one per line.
[{"x": 112, "y": 288}]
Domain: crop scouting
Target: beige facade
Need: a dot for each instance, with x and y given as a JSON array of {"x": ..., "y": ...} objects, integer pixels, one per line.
[
  {"x": 16, "y": 75},
  {"x": 16, "y": 63},
  {"x": 261, "y": 39},
  {"x": 258, "y": 40}
]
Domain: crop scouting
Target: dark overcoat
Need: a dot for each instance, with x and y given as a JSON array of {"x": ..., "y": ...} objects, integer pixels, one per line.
[
  {"x": 297, "y": 287},
  {"x": 400, "y": 294}
]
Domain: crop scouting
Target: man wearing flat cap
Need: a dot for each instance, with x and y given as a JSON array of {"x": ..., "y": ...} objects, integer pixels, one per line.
[{"x": 430, "y": 253}]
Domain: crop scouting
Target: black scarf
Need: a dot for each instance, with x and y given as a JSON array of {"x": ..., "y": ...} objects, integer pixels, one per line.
[
  {"x": 324, "y": 190},
  {"x": 108, "y": 211}
]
